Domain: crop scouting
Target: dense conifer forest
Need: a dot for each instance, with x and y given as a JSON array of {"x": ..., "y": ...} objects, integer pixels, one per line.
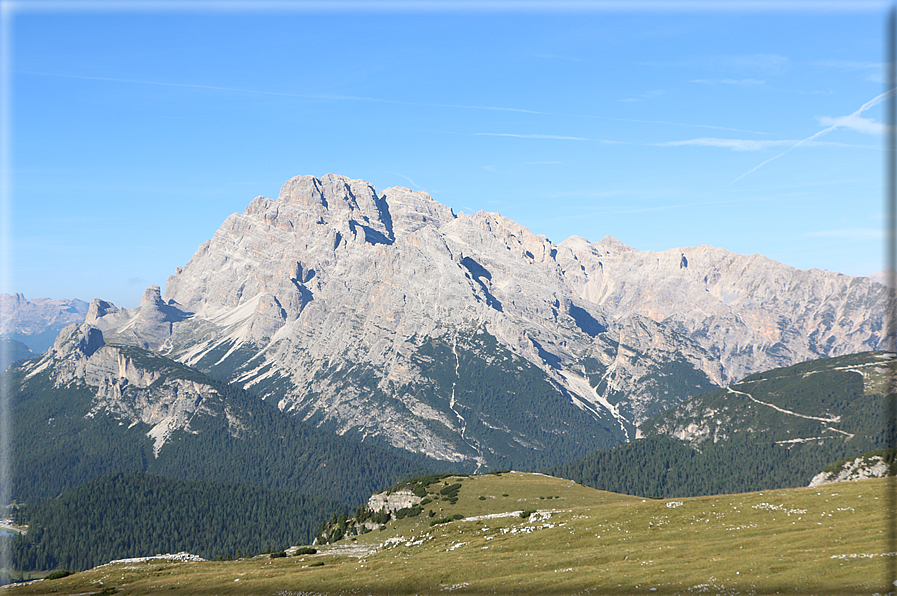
[
  {"x": 665, "y": 467},
  {"x": 123, "y": 515}
]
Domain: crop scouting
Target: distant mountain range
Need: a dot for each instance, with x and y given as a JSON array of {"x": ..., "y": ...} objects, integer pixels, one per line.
[
  {"x": 12, "y": 351},
  {"x": 36, "y": 322}
]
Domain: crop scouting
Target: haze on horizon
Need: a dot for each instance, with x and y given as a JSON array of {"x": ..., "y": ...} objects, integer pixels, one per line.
[{"x": 135, "y": 133}]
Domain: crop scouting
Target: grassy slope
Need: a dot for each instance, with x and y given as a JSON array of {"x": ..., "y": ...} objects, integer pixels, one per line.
[{"x": 593, "y": 542}]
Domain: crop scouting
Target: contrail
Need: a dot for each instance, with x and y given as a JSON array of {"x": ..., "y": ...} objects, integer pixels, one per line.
[
  {"x": 869, "y": 104},
  {"x": 406, "y": 178}
]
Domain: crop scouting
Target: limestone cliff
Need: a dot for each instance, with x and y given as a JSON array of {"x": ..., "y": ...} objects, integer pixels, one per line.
[{"x": 126, "y": 389}]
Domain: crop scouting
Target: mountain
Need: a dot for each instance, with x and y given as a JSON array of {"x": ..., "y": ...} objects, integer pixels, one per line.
[
  {"x": 771, "y": 430},
  {"x": 467, "y": 338},
  {"x": 36, "y": 322},
  {"x": 87, "y": 408}
]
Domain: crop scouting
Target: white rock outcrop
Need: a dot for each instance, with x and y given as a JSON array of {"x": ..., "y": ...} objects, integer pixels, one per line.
[
  {"x": 394, "y": 501},
  {"x": 859, "y": 468}
]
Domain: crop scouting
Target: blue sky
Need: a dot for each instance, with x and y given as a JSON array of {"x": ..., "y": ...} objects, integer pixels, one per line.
[{"x": 133, "y": 134}]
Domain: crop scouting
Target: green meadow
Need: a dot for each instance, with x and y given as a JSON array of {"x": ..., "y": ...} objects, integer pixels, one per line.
[{"x": 825, "y": 540}]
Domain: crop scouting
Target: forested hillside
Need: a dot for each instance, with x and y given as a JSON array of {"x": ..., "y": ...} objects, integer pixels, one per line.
[
  {"x": 772, "y": 430},
  {"x": 124, "y": 515},
  {"x": 59, "y": 442},
  {"x": 661, "y": 466}
]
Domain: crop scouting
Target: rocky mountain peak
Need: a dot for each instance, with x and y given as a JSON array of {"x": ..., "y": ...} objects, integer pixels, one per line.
[
  {"x": 412, "y": 210},
  {"x": 100, "y": 308},
  {"x": 80, "y": 340},
  {"x": 612, "y": 246},
  {"x": 145, "y": 389},
  {"x": 155, "y": 317},
  {"x": 329, "y": 192},
  {"x": 333, "y": 199},
  {"x": 606, "y": 247},
  {"x": 152, "y": 298}
]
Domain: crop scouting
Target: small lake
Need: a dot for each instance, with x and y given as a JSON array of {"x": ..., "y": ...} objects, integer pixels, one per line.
[{"x": 7, "y": 533}]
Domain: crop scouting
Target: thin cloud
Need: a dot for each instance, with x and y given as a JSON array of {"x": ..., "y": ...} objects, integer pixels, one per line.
[
  {"x": 855, "y": 66},
  {"x": 854, "y": 122},
  {"x": 738, "y": 82},
  {"x": 849, "y": 64},
  {"x": 764, "y": 64},
  {"x": 282, "y": 94},
  {"x": 771, "y": 63},
  {"x": 644, "y": 96},
  {"x": 556, "y": 57},
  {"x": 848, "y": 234},
  {"x": 826, "y": 92},
  {"x": 734, "y": 144},
  {"x": 495, "y": 108},
  {"x": 185, "y": 85},
  {"x": 381, "y": 100},
  {"x": 519, "y": 136},
  {"x": 869, "y": 104},
  {"x": 753, "y": 145},
  {"x": 685, "y": 124}
]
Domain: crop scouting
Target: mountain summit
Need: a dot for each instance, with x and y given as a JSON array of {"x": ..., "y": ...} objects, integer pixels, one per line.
[{"x": 387, "y": 317}]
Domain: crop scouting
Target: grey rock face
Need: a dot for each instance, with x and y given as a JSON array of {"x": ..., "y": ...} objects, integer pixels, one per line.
[
  {"x": 100, "y": 309},
  {"x": 328, "y": 299},
  {"x": 81, "y": 339},
  {"x": 124, "y": 389},
  {"x": 751, "y": 312},
  {"x": 147, "y": 326}
]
